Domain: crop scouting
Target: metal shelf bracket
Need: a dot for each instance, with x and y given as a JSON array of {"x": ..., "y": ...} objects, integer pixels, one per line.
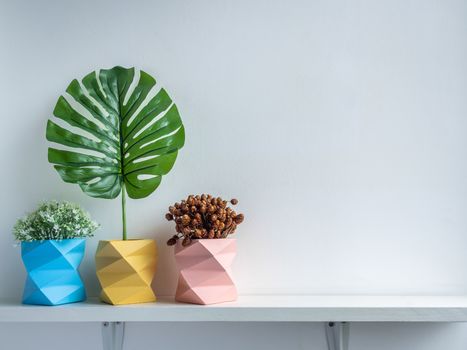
[
  {"x": 337, "y": 335},
  {"x": 112, "y": 335}
]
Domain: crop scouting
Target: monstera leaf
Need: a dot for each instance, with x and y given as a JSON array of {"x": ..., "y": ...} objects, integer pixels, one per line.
[
  {"x": 133, "y": 137},
  {"x": 117, "y": 130}
]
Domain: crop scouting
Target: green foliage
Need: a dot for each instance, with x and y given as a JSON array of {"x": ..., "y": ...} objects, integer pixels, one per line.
[
  {"x": 55, "y": 220},
  {"x": 136, "y": 141},
  {"x": 118, "y": 131}
]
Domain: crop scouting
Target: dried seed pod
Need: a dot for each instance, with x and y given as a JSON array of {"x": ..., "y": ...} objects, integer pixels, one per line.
[
  {"x": 203, "y": 216},
  {"x": 185, "y": 219},
  {"x": 233, "y": 227},
  {"x": 211, "y": 234},
  {"x": 172, "y": 241},
  {"x": 239, "y": 219},
  {"x": 186, "y": 241},
  {"x": 234, "y": 201}
]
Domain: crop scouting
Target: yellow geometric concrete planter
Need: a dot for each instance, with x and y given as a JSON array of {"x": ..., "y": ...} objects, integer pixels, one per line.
[{"x": 125, "y": 270}]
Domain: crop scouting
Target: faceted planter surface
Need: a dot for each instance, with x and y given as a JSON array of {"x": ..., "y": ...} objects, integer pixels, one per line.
[
  {"x": 125, "y": 270},
  {"x": 204, "y": 271},
  {"x": 52, "y": 271}
]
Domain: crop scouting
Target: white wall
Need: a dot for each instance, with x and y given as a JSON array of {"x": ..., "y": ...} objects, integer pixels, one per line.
[{"x": 339, "y": 125}]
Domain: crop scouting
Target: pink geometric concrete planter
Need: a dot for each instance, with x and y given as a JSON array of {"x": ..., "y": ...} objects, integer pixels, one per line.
[{"x": 204, "y": 271}]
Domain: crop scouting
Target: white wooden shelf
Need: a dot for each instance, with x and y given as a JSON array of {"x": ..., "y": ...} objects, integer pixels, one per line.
[{"x": 259, "y": 308}]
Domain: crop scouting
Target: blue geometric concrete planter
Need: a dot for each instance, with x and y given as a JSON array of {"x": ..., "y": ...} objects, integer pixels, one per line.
[{"x": 52, "y": 268}]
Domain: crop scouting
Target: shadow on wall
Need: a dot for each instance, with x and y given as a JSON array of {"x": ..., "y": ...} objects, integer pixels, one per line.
[{"x": 165, "y": 281}]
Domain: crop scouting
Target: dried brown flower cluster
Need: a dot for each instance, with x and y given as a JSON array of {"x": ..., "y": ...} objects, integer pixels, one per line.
[{"x": 203, "y": 216}]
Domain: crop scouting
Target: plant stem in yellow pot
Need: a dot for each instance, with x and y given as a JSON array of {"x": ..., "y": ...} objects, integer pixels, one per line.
[{"x": 121, "y": 133}]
